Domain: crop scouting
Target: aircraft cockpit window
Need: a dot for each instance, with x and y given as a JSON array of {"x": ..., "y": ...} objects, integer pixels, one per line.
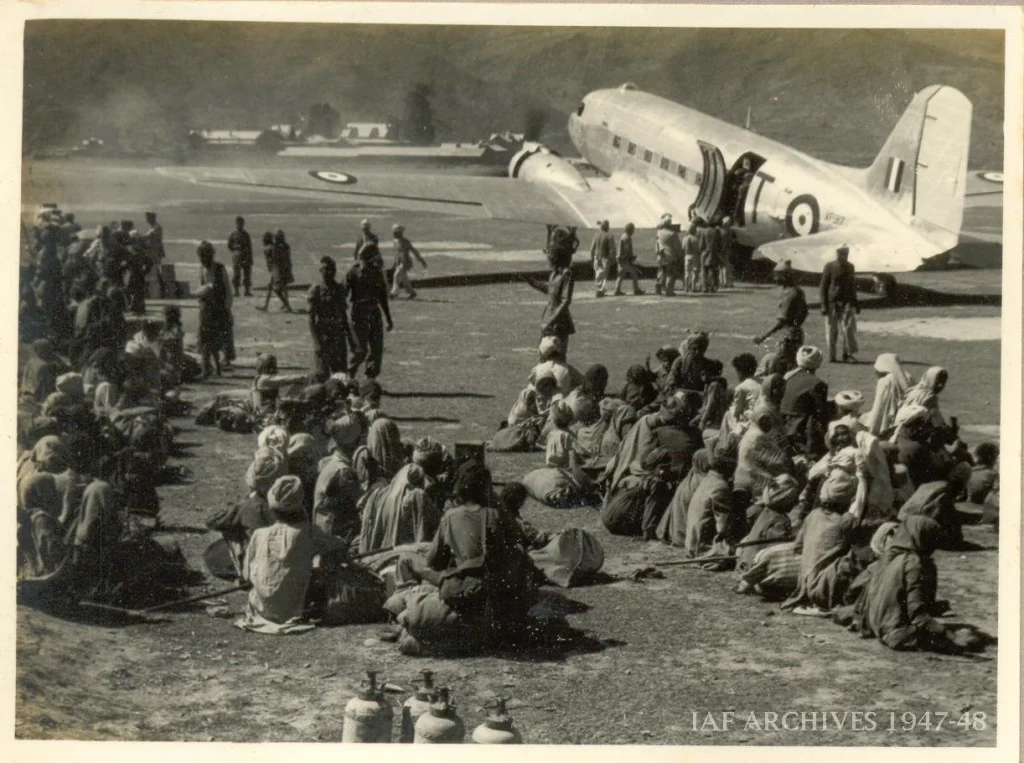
[{"x": 579, "y": 111}]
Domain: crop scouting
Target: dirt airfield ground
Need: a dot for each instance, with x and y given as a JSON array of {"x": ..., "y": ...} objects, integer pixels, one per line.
[{"x": 648, "y": 656}]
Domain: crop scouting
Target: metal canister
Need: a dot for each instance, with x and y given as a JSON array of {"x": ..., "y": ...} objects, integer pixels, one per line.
[
  {"x": 417, "y": 705},
  {"x": 441, "y": 725},
  {"x": 368, "y": 716},
  {"x": 497, "y": 727}
]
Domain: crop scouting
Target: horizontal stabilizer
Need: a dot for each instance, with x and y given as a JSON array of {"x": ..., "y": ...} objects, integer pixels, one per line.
[{"x": 872, "y": 250}]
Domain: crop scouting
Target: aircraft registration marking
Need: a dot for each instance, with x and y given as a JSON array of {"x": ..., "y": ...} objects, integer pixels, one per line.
[{"x": 835, "y": 219}]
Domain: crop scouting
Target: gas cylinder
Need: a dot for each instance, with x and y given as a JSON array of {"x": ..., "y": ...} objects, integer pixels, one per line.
[
  {"x": 440, "y": 725},
  {"x": 417, "y": 705},
  {"x": 497, "y": 728},
  {"x": 368, "y": 716}
]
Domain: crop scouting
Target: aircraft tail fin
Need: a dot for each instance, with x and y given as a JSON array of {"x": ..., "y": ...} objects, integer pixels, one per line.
[{"x": 921, "y": 172}]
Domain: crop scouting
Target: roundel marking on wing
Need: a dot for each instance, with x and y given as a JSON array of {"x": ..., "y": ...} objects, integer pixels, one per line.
[
  {"x": 803, "y": 216},
  {"x": 338, "y": 178},
  {"x": 992, "y": 177}
]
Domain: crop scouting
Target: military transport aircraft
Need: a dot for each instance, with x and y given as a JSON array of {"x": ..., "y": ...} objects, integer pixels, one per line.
[{"x": 654, "y": 156}]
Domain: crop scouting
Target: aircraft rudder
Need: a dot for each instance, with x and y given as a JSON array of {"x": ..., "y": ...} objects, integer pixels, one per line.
[{"x": 920, "y": 173}]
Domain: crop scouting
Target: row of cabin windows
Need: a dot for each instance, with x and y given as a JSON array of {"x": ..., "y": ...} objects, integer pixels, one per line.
[{"x": 665, "y": 164}]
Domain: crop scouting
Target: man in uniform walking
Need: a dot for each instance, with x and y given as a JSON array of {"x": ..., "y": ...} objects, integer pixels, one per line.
[
  {"x": 602, "y": 254},
  {"x": 839, "y": 304},
  {"x": 626, "y": 260},
  {"x": 368, "y": 295},
  {"x": 792, "y": 314},
  {"x": 240, "y": 246},
  {"x": 328, "y": 322},
  {"x": 404, "y": 252},
  {"x": 366, "y": 236}
]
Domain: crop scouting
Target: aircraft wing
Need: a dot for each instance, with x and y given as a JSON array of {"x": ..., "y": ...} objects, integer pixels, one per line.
[
  {"x": 614, "y": 199},
  {"x": 872, "y": 250}
]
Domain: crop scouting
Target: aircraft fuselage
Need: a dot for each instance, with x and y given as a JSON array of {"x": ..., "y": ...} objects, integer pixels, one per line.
[{"x": 687, "y": 160}]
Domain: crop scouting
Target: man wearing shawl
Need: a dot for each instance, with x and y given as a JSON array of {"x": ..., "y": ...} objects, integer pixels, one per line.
[
  {"x": 642, "y": 439},
  {"x": 805, "y": 404},
  {"x": 589, "y": 437},
  {"x": 760, "y": 458},
  {"x": 690, "y": 369},
  {"x": 672, "y": 527},
  {"x": 561, "y": 482},
  {"x": 279, "y": 562},
  {"x": 823, "y": 540},
  {"x": 745, "y": 394},
  {"x": 926, "y": 394},
  {"x": 712, "y": 525},
  {"x": 383, "y": 455},
  {"x": 892, "y": 387},
  {"x": 937, "y": 500},
  {"x": 868, "y": 452},
  {"x": 337, "y": 490},
  {"x": 404, "y": 511},
  {"x": 768, "y": 519},
  {"x": 898, "y": 605}
]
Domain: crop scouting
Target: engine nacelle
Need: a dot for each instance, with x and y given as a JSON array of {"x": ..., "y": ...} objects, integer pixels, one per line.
[{"x": 536, "y": 163}]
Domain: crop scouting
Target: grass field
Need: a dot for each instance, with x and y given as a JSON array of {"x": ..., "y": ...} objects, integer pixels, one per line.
[{"x": 650, "y": 654}]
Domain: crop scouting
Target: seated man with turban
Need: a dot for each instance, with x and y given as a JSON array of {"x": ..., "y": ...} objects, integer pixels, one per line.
[
  {"x": 824, "y": 539},
  {"x": 237, "y": 523},
  {"x": 337, "y": 490},
  {"x": 279, "y": 562},
  {"x": 805, "y": 404},
  {"x": 768, "y": 520}
]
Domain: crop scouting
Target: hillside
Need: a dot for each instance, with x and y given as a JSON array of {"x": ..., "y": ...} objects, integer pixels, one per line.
[{"x": 833, "y": 93}]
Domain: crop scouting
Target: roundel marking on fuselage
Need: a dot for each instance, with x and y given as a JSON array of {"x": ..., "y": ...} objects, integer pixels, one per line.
[
  {"x": 992, "y": 177},
  {"x": 338, "y": 178},
  {"x": 803, "y": 215}
]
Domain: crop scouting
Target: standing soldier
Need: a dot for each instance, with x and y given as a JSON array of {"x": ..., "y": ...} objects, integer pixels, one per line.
[
  {"x": 328, "y": 322},
  {"x": 138, "y": 267},
  {"x": 728, "y": 252},
  {"x": 368, "y": 295},
  {"x": 153, "y": 243},
  {"x": 839, "y": 304},
  {"x": 708, "y": 255},
  {"x": 240, "y": 246},
  {"x": 792, "y": 314},
  {"x": 279, "y": 262},
  {"x": 366, "y": 236},
  {"x": 626, "y": 260},
  {"x": 404, "y": 252},
  {"x": 602, "y": 254},
  {"x": 691, "y": 258},
  {"x": 670, "y": 256}
]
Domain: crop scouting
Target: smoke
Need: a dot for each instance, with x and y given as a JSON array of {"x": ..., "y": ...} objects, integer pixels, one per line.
[
  {"x": 534, "y": 122},
  {"x": 418, "y": 124}
]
